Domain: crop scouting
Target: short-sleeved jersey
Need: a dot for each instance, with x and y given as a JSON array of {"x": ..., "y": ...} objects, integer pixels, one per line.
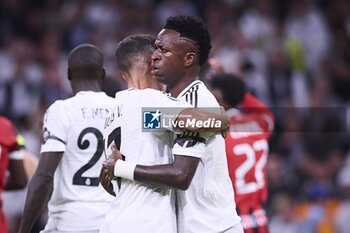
[
  {"x": 247, "y": 150},
  {"x": 75, "y": 127},
  {"x": 139, "y": 207},
  {"x": 207, "y": 205}
]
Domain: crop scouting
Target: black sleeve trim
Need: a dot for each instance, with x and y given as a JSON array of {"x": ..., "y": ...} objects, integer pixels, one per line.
[{"x": 189, "y": 139}]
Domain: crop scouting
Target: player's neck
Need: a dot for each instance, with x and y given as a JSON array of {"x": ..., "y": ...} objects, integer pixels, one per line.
[
  {"x": 137, "y": 84},
  {"x": 142, "y": 80},
  {"x": 86, "y": 86},
  {"x": 178, "y": 87}
]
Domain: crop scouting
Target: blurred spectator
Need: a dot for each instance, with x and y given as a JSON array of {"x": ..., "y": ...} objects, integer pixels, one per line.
[
  {"x": 256, "y": 23},
  {"x": 317, "y": 212},
  {"x": 306, "y": 25},
  {"x": 341, "y": 219},
  {"x": 283, "y": 219},
  {"x": 173, "y": 7}
]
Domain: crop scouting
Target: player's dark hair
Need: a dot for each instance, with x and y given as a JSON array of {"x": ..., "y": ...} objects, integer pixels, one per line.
[
  {"x": 132, "y": 47},
  {"x": 195, "y": 29},
  {"x": 85, "y": 57},
  {"x": 231, "y": 87}
]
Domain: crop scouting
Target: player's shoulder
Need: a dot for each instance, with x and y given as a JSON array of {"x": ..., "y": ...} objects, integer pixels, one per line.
[
  {"x": 133, "y": 91},
  {"x": 5, "y": 123},
  {"x": 103, "y": 95},
  {"x": 127, "y": 92},
  {"x": 56, "y": 112},
  {"x": 56, "y": 106},
  {"x": 108, "y": 100},
  {"x": 199, "y": 95},
  {"x": 86, "y": 99},
  {"x": 96, "y": 96},
  {"x": 147, "y": 94}
]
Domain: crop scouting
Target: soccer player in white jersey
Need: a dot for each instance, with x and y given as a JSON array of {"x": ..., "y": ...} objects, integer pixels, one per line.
[
  {"x": 139, "y": 207},
  {"x": 206, "y": 206},
  {"x": 181, "y": 48},
  {"x": 71, "y": 154}
]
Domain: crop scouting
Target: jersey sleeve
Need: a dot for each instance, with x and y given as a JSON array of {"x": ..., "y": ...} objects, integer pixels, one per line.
[
  {"x": 54, "y": 129},
  {"x": 158, "y": 99},
  {"x": 189, "y": 144},
  {"x": 194, "y": 143}
]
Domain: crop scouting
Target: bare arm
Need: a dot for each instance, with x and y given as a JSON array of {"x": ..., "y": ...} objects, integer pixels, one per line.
[
  {"x": 177, "y": 175},
  {"x": 17, "y": 178},
  {"x": 39, "y": 189}
]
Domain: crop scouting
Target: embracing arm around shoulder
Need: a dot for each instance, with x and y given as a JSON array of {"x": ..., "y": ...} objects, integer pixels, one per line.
[{"x": 177, "y": 174}]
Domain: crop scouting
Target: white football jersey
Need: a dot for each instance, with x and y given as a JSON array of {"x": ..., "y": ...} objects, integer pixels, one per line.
[
  {"x": 208, "y": 205},
  {"x": 75, "y": 126},
  {"x": 139, "y": 207}
]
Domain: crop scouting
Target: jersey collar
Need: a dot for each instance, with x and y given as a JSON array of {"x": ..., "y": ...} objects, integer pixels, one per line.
[
  {"x": 86, "y": 92},
  {"x": 129, "y": 89}
]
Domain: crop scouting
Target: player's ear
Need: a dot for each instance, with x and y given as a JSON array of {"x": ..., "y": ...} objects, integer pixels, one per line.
[
  {"x": 69, "y": 74},
  {"x": 190, "y": 59}
]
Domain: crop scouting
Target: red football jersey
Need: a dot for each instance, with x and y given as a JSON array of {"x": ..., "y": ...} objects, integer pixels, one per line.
[
  {"x": 8, "y": 143},
  {"x": 247, "y": 149}
]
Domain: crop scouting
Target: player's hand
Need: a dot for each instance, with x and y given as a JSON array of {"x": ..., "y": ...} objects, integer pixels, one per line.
[
  {"x": 116, "y": 153},
  {"x": 227, "y": 123},
  {"x": 106, "y": 181},
  {"x": 111, "y": 160}
]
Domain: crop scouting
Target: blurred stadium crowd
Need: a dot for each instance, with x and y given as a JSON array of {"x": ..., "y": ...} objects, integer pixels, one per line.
[{"x": 294, "y": 55}]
